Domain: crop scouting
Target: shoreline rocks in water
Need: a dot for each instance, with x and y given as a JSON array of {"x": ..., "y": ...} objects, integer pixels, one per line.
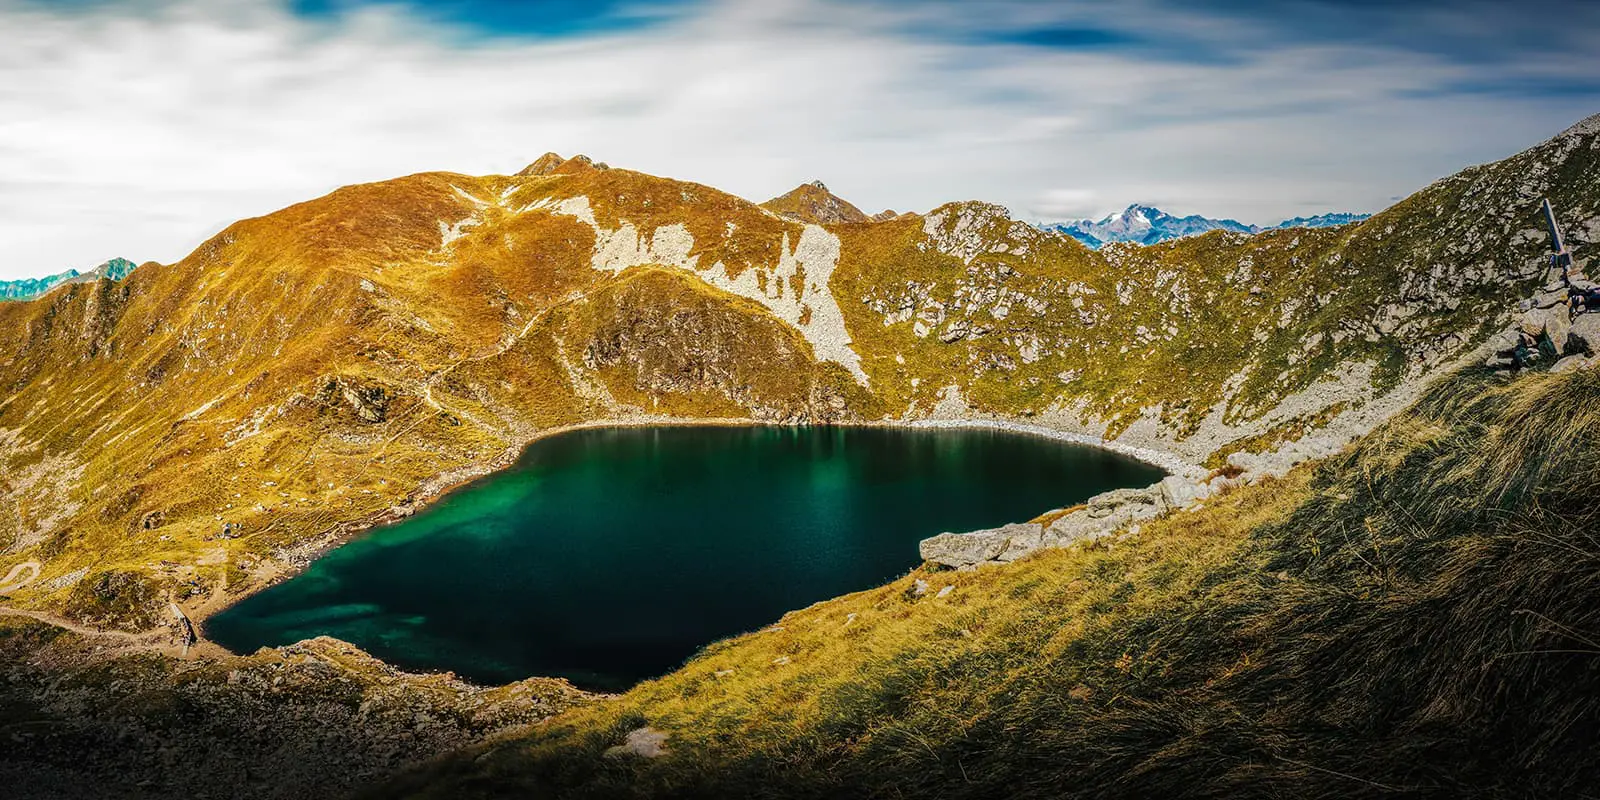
[{"x": 1101, "y": 516}]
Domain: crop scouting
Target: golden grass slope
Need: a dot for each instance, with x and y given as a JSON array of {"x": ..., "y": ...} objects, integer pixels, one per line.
[{"x": 306, "y": 372}]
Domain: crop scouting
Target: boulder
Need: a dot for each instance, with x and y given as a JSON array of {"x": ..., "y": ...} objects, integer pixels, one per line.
[
  {"x": 1570, "y": 363},
  {"x": 1079, "y": 526},
  {"x": 1584, "y": 335},
  {"x": 1006, "y": 543},
  {"x": 1550, "y": 299},
  {"x": 1180, "y": 492},
  {"x": 1558, "y": 326},
  {"x": 1505, "y": 343},
  {"x": 643, "y": 742},
  {"x": 1107, "y": 503},
  {"x": 1533, "y": 322}
]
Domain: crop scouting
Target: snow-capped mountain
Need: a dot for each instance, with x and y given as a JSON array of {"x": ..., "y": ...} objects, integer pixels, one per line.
[
  {"x": 1321, "y": 221},
  {"x": 1148, "y": 225},
  {"x": 116, "y": 269}
]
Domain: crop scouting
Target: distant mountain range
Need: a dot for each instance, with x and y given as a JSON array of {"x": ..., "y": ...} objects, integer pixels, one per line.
[
  {"x": 1148, "y": 225},
  {"x": 28, "y": 288}
]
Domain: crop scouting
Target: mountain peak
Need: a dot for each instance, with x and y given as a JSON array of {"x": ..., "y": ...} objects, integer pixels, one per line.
[
  {"x": 813, "y": 203},
  {"x": 544, "y": 165},
  {"x": 1141, "y": 223},
  {"x": 28, "y": 288}
]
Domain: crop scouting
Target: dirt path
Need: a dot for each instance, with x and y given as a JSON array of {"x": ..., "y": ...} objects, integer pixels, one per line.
[
  {"x": 14, "y": 580},
  {"x": 83, "y": 630}
]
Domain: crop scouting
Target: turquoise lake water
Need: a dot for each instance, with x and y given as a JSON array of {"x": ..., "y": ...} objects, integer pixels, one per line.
[{"x": 608, "y": 556}]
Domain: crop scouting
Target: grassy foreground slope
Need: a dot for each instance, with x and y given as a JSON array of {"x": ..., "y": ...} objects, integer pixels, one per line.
[{"x": 1418, "y": 615}]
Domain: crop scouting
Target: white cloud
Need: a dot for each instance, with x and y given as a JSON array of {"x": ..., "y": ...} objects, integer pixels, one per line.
[
  {"x": 1058, "y": 205},
  {"x": 139, "y": 131}
]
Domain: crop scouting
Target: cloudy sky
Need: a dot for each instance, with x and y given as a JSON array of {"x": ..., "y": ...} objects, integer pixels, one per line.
[{"x": 140, "y": 128}]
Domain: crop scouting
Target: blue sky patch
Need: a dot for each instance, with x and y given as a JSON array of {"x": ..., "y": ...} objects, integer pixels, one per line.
[{"x": 510, "y": 18}]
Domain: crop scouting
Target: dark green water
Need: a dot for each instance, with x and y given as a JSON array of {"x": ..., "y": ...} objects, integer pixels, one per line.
[{"x": 608, "y": 556}]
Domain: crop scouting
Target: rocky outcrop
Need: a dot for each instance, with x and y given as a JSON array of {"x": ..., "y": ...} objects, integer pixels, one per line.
[
  {"x": 1553, "y": 329},
  {"x": 1102, "y": 515},
  {"x": 319, "y": 718},
  {"x": 365, "y": 400}
]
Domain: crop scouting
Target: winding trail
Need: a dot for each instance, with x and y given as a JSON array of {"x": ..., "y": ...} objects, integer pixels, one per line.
[
  {"x": 14, "y": 580},
  {"x": 84, "y": 630}
]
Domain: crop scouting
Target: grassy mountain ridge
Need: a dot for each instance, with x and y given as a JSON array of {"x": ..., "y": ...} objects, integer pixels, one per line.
[{"x": 323, "y": 365}]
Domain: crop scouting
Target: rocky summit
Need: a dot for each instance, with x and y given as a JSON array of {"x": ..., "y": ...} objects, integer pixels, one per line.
[
  {"x": 813, "y": 203},
  {"x": 191, "y": 432},
  {"x": 1142, "y": 224}
]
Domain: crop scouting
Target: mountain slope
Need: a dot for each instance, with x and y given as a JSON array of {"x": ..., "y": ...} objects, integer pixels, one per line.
[
  {"x": 1142, "y": 224},
  {"x": 197, "y": 430},
  {"x": 324, "y": 367}
]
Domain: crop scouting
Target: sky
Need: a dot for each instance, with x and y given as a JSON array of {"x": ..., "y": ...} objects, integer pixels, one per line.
[{"x": 140, "y": 128}]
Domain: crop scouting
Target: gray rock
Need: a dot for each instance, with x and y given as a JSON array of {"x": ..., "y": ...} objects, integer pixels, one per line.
[
  {"x": 1180, "y": 492},
  {"x": 1570, "y": 363},
  {"x": 1558, "y": 326},
  {"x": 1549, "y": 299},
  {"x": 1505, "y": 343},
  {"x": 1223, "y": 483},
  {"x": 1104, "y": 514},
  {"x": 645, "y": 742},
  {"x": 1079, "y": 526},
  {"x": 1533, "y": 322},
  {"x": 1006, "y": 543},
  {"x": 1106, "y": 503},
  {"x": 1584, "y": 335}
]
